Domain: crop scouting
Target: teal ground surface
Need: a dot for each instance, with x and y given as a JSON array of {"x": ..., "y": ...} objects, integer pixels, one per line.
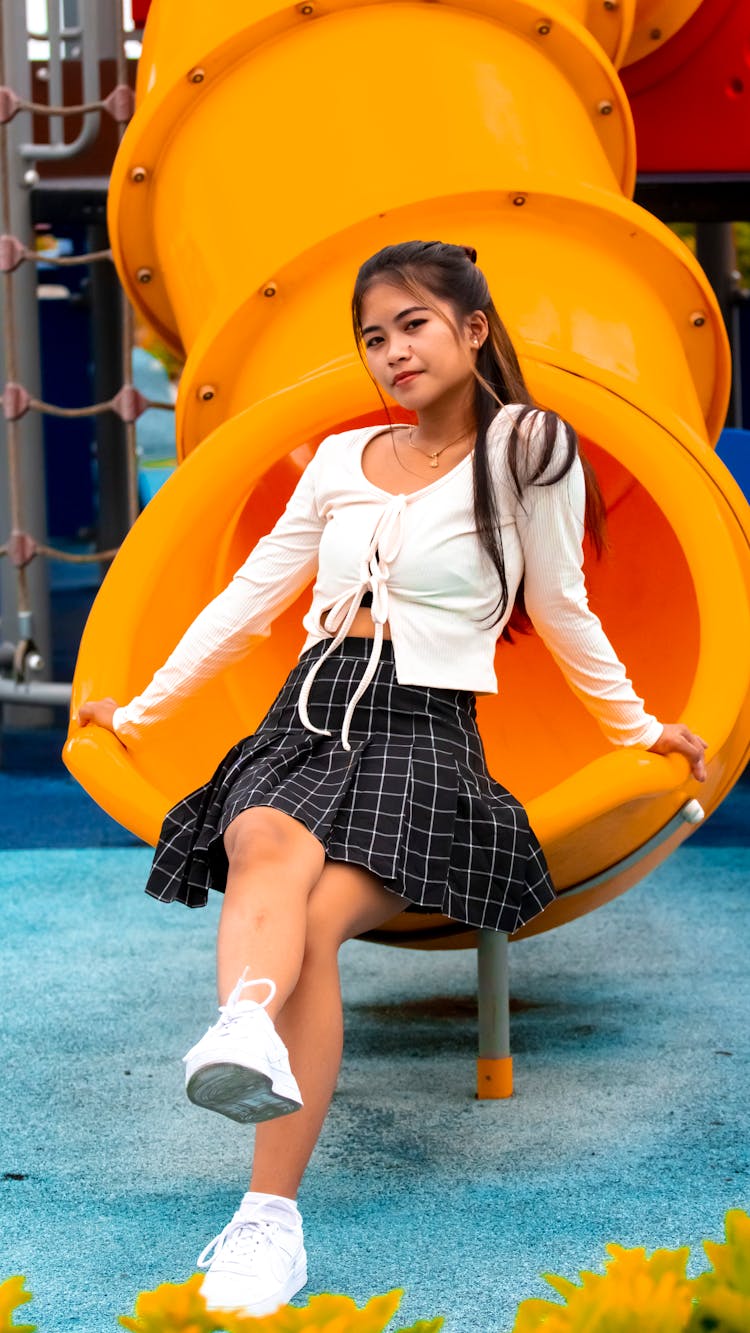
[{"x": 629, "y": 1120}]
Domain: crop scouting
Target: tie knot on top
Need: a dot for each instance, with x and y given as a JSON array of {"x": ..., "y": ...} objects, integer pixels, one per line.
[{"x": 381, "y": 550}]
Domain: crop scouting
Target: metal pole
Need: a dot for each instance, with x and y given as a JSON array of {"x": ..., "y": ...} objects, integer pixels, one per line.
[
  {"x": 109, "y": 18},
  {"x": 55, "y": 693},
  {"x": 19, "y": 361},
  {"x": 495, "y": 1064}
]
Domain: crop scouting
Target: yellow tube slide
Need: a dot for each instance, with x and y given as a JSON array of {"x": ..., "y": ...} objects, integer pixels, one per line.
[{"x": 273, "y": 149}]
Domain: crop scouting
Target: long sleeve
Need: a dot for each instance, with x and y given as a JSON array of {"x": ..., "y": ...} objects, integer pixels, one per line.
[
  {"x": 277, "y": 569},
  {"x": 550, "y": 523}
]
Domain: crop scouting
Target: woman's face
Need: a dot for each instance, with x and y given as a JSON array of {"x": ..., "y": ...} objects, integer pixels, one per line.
[{"x": 419, "y": 357}]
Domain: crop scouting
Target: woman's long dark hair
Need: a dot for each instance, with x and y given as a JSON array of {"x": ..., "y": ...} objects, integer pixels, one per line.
[{"x": 449, "y": 272}]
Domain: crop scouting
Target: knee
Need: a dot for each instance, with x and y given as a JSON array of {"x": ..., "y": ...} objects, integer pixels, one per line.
[
  {"x": 326, "y": 931},
  {"x": 262, "y": 835}
]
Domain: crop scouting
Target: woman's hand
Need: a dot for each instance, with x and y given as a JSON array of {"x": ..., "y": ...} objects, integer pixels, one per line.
[
  {"x": 677, "y": 739},
  {"x": 99, "y": 711}
]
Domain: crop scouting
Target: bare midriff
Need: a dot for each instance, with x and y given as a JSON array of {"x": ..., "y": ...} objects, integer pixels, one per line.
[{"x": 362, "y": 626}]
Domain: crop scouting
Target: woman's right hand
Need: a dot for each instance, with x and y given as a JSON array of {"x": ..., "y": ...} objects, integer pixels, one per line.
[
  {"x": 99, "y": 711},
  {"x": 678, "y": 739}
]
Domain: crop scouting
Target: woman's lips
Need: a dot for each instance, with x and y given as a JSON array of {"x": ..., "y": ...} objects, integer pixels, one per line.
[{"x": 406, "y": 379}]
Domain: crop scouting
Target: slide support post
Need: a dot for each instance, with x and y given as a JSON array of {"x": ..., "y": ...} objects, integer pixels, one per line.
[{"x": 495, "y": 1063}]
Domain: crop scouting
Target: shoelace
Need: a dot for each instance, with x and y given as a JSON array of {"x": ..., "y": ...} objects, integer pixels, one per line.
[
  {"x": 228, "y": 1011},
  {"x": 239, "y": 1240}
]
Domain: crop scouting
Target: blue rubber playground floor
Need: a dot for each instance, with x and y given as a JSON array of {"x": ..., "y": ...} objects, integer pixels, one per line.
[{"x": 629, "y": 1120}]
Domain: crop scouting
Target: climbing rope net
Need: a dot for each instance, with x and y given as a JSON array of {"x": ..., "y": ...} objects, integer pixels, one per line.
[{"x": 20, "y": 546}]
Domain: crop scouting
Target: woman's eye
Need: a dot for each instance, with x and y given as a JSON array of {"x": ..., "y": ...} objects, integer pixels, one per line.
[{"x": 376, "y": 340}]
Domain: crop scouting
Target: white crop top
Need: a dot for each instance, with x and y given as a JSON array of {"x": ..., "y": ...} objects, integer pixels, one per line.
[{"x": 430, "y": 579}]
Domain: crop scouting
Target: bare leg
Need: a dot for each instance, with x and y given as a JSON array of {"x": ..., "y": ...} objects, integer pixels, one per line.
[
  {"x": 274, "y": 863},
  {"x": 346, "y": 901}
]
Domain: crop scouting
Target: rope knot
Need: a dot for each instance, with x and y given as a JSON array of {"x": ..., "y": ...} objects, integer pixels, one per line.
[
  {"x": 21, "y": 549},
  {"x": 16, "y": 401}
]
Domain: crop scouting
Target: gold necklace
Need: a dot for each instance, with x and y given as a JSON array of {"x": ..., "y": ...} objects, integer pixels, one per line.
[{"x": 433, "y": 454}]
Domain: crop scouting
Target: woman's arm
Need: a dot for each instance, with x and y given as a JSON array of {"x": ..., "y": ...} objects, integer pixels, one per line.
[
  {"x": 550, "y": 523},
  {"x": 279, "y": 566}
]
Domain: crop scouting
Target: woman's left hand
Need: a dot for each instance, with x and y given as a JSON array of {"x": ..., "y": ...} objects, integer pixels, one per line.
[
  {"x": 678, "y": 739},
  {"x": 99, "y": 711}
]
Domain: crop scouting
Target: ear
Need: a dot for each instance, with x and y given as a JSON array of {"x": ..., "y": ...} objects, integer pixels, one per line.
[{"x": 477, "y": 329}]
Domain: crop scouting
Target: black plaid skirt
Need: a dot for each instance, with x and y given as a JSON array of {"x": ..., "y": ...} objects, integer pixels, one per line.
[{"x": 412, "y": 800}]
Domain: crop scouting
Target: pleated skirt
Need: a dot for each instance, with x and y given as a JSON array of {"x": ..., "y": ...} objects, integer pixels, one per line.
[{"x": 412, "y": 800}]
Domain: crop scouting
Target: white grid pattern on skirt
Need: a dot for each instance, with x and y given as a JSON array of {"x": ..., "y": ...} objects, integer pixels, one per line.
[{"x": 412, "y": 800}]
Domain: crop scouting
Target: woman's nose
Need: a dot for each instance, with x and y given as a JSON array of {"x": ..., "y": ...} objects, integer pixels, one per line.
[{"x": 398, "y": 351}]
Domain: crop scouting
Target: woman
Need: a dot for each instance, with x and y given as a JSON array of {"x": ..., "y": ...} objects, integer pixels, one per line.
[{"x": 365, "y": 790}]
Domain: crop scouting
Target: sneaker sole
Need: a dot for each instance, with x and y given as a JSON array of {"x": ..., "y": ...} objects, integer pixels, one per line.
[
  {"x": 246, "y": 1095},
  {"x": 294, "y": 1283}
]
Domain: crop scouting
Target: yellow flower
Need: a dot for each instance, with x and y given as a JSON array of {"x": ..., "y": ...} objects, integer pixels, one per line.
[
  {"x": 173, "y": 1308},
  {"x": 731, "y": 1261},
  {"x": 722, "y": 1310},
  {"x": 180, "y": 1308},
  {"x": 724, "y": 1294},
  {"x": 334, "y": 1314},
  {"x": 636, "y": 1294},
  {"x": 11, "y": 1296}
]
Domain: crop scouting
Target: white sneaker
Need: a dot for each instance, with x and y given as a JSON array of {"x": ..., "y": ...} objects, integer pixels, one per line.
[
  {"x": 259, "y": 1260},
  {"x": 240, "y": 1068}
]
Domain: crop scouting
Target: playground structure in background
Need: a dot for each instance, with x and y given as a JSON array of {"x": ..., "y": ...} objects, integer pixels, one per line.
[{"x": 512, "y": 132}]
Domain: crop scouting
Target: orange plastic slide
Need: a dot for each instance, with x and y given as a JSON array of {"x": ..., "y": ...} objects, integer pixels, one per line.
[{"x": 273, "y": 148}]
